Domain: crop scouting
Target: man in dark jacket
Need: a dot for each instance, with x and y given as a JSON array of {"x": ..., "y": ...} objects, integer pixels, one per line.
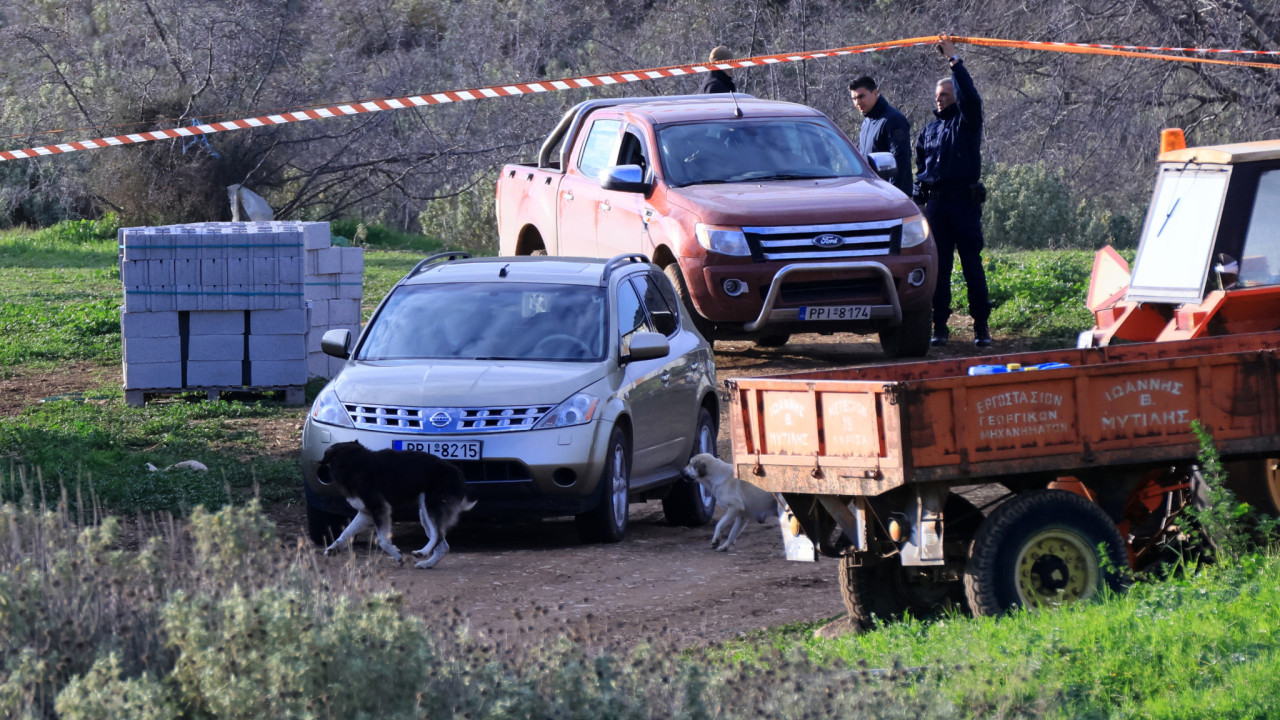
[
  {"x": 884, "y": 129},
  {"x": 718, "y": 81},
  {"x": 948, "y": 166}
]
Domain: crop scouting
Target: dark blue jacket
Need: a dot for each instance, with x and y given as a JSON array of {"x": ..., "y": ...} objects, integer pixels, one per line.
[
  {"x": 949, "y": 150},
  {"x": 718, "y": 81},
  {"x": 887, "y": 130}
]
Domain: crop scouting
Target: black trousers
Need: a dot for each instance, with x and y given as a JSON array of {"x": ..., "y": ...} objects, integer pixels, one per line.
[{"x": 957, "y": 229}]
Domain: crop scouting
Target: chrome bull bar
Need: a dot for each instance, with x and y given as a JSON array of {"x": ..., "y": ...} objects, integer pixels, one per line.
[{"x": 769, "y": 315}]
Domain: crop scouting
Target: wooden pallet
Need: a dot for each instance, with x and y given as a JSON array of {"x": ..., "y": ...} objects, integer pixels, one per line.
[{"x": 293, "y": 394}]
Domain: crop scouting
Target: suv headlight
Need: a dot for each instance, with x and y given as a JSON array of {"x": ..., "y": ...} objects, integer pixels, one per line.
[
  {"x": 327, "y": 409},
  {"x": 915, "y": 230},
  {"x": 577, "y": 410},
  {"x": 723, "y": 240}
]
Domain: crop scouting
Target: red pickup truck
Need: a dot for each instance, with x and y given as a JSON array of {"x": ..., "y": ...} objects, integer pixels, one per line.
[{"x": 762, "y": 213}]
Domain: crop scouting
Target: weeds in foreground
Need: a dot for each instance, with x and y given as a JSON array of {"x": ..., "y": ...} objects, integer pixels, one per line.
[{"x": 216, "y": 618}]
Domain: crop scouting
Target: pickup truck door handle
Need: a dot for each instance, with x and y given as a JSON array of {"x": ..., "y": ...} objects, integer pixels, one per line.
[
  {"x": 605, "y": 206},
  {"x": 568, "y": 195},
  {"x": 647, "y": 215}
]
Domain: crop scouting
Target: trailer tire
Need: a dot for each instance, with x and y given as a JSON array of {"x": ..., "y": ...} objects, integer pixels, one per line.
[
  {"x": 1041, "y": 549},
  {"x": 705, "y": 327},
  {"x": 910, "y": 338},
  {"x": 887, "y": 590}
]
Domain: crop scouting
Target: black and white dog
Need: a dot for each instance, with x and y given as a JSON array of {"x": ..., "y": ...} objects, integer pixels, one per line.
[{"x": 374, "y": 482}]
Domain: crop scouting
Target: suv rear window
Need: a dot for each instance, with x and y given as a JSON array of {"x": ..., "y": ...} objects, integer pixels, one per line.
[{"x": 508, "y": 321}]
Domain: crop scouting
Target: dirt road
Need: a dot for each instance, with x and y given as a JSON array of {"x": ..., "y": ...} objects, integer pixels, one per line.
[{"x": 659, "y": 576}]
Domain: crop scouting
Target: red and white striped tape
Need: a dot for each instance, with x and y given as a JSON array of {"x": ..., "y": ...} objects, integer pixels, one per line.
[
  {"x": 449, "y": 96},
  {"x": 573, "y": 83}
]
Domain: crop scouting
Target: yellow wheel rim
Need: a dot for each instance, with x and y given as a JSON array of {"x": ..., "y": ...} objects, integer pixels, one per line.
[{"x": 1054, "y": 568}]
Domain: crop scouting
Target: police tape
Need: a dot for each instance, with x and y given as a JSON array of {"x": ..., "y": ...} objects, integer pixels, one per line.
[
  {"x": 607, "y": 79},
  {"x": 1149, "y": 52}
]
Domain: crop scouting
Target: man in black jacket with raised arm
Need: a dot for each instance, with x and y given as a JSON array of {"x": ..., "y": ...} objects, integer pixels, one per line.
[{"x": 948, "y": 168}]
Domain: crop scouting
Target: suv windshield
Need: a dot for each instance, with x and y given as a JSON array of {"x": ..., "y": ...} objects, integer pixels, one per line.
[
  {"x": 516, "y": 321},
  {"x": 757, "y": 149}
]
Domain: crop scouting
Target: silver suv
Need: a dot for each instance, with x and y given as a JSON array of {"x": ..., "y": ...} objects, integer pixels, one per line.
[{"x": 560, "y": 386}]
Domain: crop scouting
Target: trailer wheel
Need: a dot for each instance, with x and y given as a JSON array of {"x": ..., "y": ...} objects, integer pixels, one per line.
[
  {"x": 887, "y": 590},
  {"x": 1041, "y": 549}
]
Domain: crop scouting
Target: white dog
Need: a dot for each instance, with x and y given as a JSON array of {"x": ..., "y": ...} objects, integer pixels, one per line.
[{"x": 741, "y": 499}]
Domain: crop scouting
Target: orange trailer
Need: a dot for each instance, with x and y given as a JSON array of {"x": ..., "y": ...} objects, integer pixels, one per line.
[{"x": 1096, "y": 449}]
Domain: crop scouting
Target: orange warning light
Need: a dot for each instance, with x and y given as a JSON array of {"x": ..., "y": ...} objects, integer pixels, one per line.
[{"x": 1172, "y": 139}]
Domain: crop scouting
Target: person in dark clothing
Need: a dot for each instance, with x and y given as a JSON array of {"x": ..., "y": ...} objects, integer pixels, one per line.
[
  {"x": 718, "y": 81},
  {"x": 948, "y": 166},
  {"x": 884, "y": 129}
]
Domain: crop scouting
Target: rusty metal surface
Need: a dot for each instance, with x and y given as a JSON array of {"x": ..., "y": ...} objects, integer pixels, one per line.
[{"x": 863, "y": 431}]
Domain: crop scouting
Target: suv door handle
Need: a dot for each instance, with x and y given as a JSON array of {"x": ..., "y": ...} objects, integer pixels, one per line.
[{"x": 666, "y": 378}]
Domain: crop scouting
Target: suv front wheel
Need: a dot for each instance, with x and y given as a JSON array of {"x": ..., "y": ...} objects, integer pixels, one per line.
[
  {"x": 688, "y": 503},
  {"x": 607, "y": 521}
]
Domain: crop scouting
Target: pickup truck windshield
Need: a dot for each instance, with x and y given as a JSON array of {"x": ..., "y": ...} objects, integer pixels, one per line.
[
  {"x": 490, "y": 321},
  {"x": 754, "y": 149}
]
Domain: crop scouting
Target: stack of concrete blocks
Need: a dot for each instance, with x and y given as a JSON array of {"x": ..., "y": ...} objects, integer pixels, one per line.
[{"x": 230, "y": 306}]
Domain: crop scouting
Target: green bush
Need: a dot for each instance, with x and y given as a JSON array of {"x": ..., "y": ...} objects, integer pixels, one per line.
[
  {"x": 376, "y": 235},
  {"x": 1032, "y": 206},
  {"x": 463, "y": 217}
]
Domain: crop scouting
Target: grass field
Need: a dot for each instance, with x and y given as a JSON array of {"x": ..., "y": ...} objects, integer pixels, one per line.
[{"x": 230, "y": 627}]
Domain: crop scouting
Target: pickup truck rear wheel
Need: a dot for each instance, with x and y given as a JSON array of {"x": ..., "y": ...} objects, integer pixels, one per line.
[
  {"x": 774, "y": 340},
  {"x": 607, "y": 521},
  {"x": 688, "y": 503},
  {"x": 705, "y": 327},
  {"x": 910, "y": 338},
  {"x": 1041, "y": 549}
]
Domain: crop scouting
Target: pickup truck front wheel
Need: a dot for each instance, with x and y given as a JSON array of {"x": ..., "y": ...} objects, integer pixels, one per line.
[
  {"x": 705, "y": 327},
  {"x": 1041, "y": 549},
  {"x": 910, "y": 338}
]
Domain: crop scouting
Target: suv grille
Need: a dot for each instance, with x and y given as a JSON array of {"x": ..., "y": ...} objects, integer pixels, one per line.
[
  {"x": 392, "y": 418},
  {"x": 825, "y": 242}
]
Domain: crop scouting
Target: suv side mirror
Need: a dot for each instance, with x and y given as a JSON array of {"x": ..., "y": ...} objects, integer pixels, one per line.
[
  {"x": 624, "y": 178},
  {"x": 885, "y": 165},
  {"x": 337, "y": 343},
  {"x": 647, "y": 346}
]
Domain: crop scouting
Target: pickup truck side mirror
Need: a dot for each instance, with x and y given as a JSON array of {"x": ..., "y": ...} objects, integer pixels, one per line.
[
  {"x": 337, "y": 343},
  {"x": 884, "y": 164},
  {"x": 647, "y": 346},
  {"x": 624, "y": 178}
]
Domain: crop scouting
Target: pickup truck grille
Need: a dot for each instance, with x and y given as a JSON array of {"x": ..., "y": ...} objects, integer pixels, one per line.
[
  {"x": 392, "y": 418},
  {"x": 825, "y": 242}
]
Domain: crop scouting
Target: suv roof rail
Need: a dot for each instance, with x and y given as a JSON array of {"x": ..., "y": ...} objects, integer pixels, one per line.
[
  {"x": 573, "y": 118},
  {"x": 618, "y": 261},
  {"x": 441, "y": 257}
]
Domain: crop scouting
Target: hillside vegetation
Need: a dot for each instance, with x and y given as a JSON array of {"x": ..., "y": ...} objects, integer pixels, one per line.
[{"x": 1069, "y": 147}]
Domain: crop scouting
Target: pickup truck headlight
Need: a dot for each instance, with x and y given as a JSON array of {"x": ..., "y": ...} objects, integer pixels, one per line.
[
  {"x": 327, "y": 409},
  {"x": 723, "y": 240},
  {"x": 577, "y": 410},
  {"x": 915, "y": 230}
]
